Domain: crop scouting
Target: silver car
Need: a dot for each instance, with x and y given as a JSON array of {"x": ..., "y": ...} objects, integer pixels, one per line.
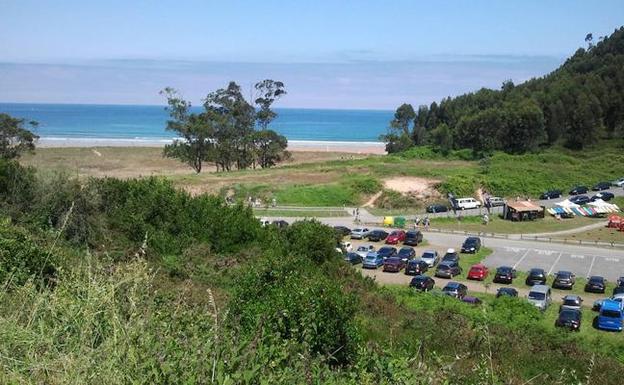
[
  {"x": 540, "y": 297},
  {"x": 359, "y": 233},
  {"x": 363, "y": 250},
  {"x": 431, "y": 257}
]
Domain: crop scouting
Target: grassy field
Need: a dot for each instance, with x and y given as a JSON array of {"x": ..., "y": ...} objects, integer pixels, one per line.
[
  {"x": 335, "y": 179},
  {"x": 497, "y": 225},
  {"x": 300, "y": 213}
]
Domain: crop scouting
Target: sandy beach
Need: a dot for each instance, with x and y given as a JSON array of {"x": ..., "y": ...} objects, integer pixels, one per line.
[{"x": 293, "y": 145}]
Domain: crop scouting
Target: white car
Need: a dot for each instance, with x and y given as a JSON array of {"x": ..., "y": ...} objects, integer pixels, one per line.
[
  {"x": 363, "y": 250},
  {"x": 618, "y": 182},
  {"x": 430, "y": 257},
  {"x": 467, "y": 203},
  {"x": 359, "y": 233},
  {"x": 497, "y": 201}
]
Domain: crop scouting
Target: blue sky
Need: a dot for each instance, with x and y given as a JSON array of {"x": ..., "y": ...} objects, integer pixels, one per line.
[{"x": 332, "y": 54}]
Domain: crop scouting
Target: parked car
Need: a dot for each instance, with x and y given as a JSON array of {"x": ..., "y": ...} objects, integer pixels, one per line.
[
  {"x": 596, "y": 284},
  {"x": 372, "y": 261},
  {"x": 362, "y": 250},
  {"x": 604, "y": 195},
  {"x": 393, "y": 264},
  {"x": 376, "y": 235},
  {"x": 471, "y": 245},
  {"x": 422, "y": 283},
  {"x": 455, "y": 290},
  {"x": 447, "y": 269},
  {"x": 620, "y": 281},
  {"x": 536, "y": 277},
  {"x": 387, "y": 252},
  {"x": 573, "y": 302},
  {"x": 551, "y": 194},
  {"x": 601, "y": 186},
  {"x": 471, "y": 300},
  {"x": 280, "y": 223},
  {"x": 540, "y": 297},
  {"x": 467, "y": 203},
  {"x": 395, "y": 237},
  {"x": 353, "y": 258},
  {"x": 451, "y": 255},
  {"x": 416, "y": 267},
  {"x": 478, "y": 272},
  {"x": 406, "y": 253},
  {"x": 616, "y": 298},
  {"x": 569, "y": 318},
  {"x": 431, "y": 257},
  {"x": 359, "y": 233},
  {"x": 564, "y": 280},
  {"x": 618, "y": 290},
  {"x": 413, "y": 238},
  {"x": 506, "y": 291},
  {"x": 342, "y": 230},
  {"x": 579, "y": 190},
  {"x": 504, "y": 274},
  {"x": 580, "y": 199},
  {"x": 611, "y": 316},
  {"x": 618, "y": 182},
  {"x": 497, "y": 201},
  {"x": 436, "y": 208}
]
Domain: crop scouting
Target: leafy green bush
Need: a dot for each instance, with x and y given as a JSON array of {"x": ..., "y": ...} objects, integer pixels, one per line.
[
  {"x": 291, "y": 298},
  {"x": 21, "y": 258},
  {"x": 364, "y": 184},
  {"x": 311, "y": 240}
]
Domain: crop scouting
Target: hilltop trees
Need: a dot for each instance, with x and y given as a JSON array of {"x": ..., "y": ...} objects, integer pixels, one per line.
[
  {"x": 224, "y": 133},
  {"x": 575, "y": 105},
  {"x": 14, "y": 138}
]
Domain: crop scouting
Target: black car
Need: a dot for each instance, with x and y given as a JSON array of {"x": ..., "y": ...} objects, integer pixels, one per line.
[
  {"x": 605, "y": 196},
  {"x": 387, "y": 252},
  {"x": 437, "y": 208},
  {"x": 471, "y": 245},
  {"x": 416, "y": 267},
  {"x": 620, "y": 281},
  {"x": 406, "y": 253},
  {"x": 569, "y": 318},
  {"x": 413, "y": 238},
  {"x": 551, "y": 194},
  {"x": 564, "y": 280},
  {"x": 280, "y": 223},
  {"x": 447, "y": 269},
  {"x": 596, "y": 284},
  {"x": 579, "y": 190},
  {"x": 342, "y": 230},
  {"x": 618, "y": 290},
  {"x": 536, "y": 277},
  {"x": 422, "y": 283},
  {"x": 504, "y": 274},
  {"x": 451, "y": 256},
  {"x": 353, "y": 258},
  {"x": 455, "y": 290},
  {"x": 580, "y": 199},
  {"x": 506, "y": 292},
  {"x": 601, "y": 186},
  {"x": 377, "y": 235}
]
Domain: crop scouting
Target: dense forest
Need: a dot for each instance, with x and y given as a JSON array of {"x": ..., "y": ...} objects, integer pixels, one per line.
[{"x": 576, "y": 105}]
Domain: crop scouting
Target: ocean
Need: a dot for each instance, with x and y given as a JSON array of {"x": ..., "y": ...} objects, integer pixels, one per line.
[{"x": 147, "y": 123}]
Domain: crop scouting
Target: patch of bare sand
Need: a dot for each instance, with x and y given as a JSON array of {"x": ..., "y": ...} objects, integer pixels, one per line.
[{"x": 421, "y": 188}]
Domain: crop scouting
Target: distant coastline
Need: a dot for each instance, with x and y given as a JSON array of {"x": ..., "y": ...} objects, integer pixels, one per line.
[{"x": 356, "y": 147}]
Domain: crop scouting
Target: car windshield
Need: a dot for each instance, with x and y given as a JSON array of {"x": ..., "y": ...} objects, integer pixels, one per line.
[
  {"x": 362, "y": 248},
  {"x": 536, "y": 273},
  {"x": 443, "y": 267},
  {"x": 563, "y": 275},
  {"x": 611, "y": 314},
  {"x": 504, "y": 270},
  {"x": 405, "y": 251},
  {"x": 450, "y": 288},
  {"x": 537, "y": 296},
  {"x": 571, "y": 302},
  {"x": 428, "y": 255},
  {"x": 595, "y": 280},
  {"x": 371, "y": 257},
  {"x": 567, "y": 315}
]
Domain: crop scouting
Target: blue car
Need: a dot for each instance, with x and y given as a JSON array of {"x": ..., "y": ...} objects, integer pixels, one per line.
[
  {"x": 611, "y": 316},
  {"x": 372, "y": 261}
]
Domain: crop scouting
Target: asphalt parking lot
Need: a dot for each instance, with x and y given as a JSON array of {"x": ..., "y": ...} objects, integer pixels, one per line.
[{"x": 583, "y": 265}]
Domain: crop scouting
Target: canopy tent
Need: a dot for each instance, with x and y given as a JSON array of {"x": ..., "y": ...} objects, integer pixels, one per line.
[{"x": 566, "y": 204}]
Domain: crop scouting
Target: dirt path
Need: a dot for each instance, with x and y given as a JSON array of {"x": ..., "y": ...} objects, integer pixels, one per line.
[{"x": 372, "y": 200}]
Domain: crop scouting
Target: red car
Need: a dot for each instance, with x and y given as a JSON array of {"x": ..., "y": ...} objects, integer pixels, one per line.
[
  {"x": 393, "y": 264},
  {"x": 395, "y": 237},
  {"x": 478, "y": 272}
]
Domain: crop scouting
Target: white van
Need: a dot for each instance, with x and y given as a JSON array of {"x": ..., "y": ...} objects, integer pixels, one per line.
[{"x": 467, "y": 203}]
